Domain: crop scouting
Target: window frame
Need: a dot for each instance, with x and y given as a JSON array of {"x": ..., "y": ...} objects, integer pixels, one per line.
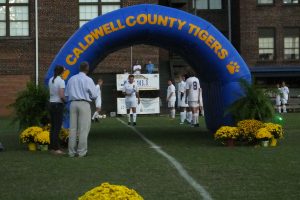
[
  {"x": 290, "y": 4},
  {"x": 99, "y": 3},
  {"x": 8, "y": 21},
  {"x": 274, "y": 44},
  {"x": 208, "y": 5},
  {"x": 284, "y": 36},
  {"x": 265, "y": 4}
]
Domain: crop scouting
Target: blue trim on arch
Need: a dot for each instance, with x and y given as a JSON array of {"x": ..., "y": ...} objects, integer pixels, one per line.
[{"x": 210, "y": 54}]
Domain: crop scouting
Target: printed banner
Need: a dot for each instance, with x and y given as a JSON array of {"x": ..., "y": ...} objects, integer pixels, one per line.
[
  {"x": 147, "y": 106},
  {"x": 144, "y": 81}
]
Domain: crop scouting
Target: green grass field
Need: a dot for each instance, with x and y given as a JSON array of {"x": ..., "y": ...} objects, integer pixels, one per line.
[{"x": 119, "y": 156}]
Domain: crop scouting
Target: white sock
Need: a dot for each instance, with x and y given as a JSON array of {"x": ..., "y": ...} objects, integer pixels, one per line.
[
  {"x": 182, "y": 116},
  {"x": 284, "y": 108},
  {"x": 279, "y": 109},
  {"x": 197, "y": 118},
  {"x": 173, "y": 113},
  {"x": 95, "y": 115},
  {"x": 190, "y": 116},
  {"x": 134, "y": 117},
  {"x": 194, "y": 118},
  {"x": 128, "y": 116},
  {"x": 202, "y": 112}
]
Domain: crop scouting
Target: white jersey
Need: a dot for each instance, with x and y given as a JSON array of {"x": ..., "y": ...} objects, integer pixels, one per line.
[
  {"x": 130, "y": 89},
  {"x": 181, "y": 89},
  {"x": 171, "y": 89},
  {"x": 98, "y": 99},
  {"x": 193, "y": 85},
  {"x": 137, "y": 69},
  {"x": 285, "y": 92}
]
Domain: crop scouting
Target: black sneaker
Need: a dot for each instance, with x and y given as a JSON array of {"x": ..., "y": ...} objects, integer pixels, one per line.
[
  {"x": 129, "y": 123},
  {"x": 134, "y": 123},
  {"x": 196, "y": 125}
]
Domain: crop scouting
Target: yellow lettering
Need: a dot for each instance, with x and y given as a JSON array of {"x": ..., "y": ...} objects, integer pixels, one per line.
[
  {"x": 223, "y": 54},
  {"x": 82, "y": 46},
  {"x": 154, "y": 21},
  {"x": 65, "y": 74},
  {"x": 97, "y": 32},
  {"x": 120, "y": 25},
  {"x": 106, "y": 28},
  {"x": 162, "y": 20},
  {"x": 181, "y": 24},
  {"x": 172, "y": 20},
  {"x": 192, "y": 27},
  {"x": 141, "y": 19},
  {"x": 77, "y": 52},
  {"x": 113, "y": 28},
  {"x": 89, "y": 39},
  {"x": 210, "y": 40},
  {"x": 197, "y": 31},
  {"x": 216, "y": 46},
  {"x": 71, "y": 61},
  {"x": 130, "y": 21},
  {"x": 203, "y": 35}
]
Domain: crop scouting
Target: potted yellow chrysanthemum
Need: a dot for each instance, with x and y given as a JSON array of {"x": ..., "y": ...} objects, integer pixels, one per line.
[
  {"x": 27, "y": 136},
  {"x": 227, "y": 135},
  {"x": 276, "y": 130},
  {"x": 263, "y": 135},
  {"x": 43, "y": 139}
]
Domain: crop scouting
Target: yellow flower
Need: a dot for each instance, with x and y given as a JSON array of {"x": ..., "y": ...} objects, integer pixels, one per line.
[
  {"x": 275, "y": 129},
  {"x": 107, "y": 191},
  {"x": 263, "y": 134},
  {"x": 249, "y": 127},
  {"x": 29, "y": 134},
  {"x": 63, "y": 134},
  {"x": 42, "y": 137},
  {"x": 227, "y": 132}
]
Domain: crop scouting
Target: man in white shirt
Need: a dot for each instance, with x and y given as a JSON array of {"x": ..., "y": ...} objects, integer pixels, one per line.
[
  {"x": 81, "y": 90},
  {"x": 181, "y": 99},
  {"x": 193, "y": 97},
  {"x": 171, "y": 98},
  {"x": 285, "y": 96},
  {"x": 131, "y": 92},
  {"x": 98, "y": 101},
  {"x": 137, "y": 68}
]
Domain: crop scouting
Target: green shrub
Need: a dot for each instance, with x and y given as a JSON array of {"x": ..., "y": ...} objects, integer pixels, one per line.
[{"x": 31, "y": 106}]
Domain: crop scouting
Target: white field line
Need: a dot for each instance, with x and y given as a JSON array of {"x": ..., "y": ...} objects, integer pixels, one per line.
[{"x": 182, "y": 172}]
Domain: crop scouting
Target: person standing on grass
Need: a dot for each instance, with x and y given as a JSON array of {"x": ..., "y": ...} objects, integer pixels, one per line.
[
  {"x": 171, "y": 98},
  {"x": 98, "y": 101},
  {"x": 81, "y": 90},
  {"x": 131, "y": 92},
  {"x": 181, "y": 99},
  {"x": 285, "y": 96},
  {"x": 57, "y": 98},
  {"x": 278, "y": 98},
  {"x": 193, "y": 97}
]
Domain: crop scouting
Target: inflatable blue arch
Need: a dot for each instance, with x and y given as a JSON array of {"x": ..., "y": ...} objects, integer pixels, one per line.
[{"x": 207, "y": 51}]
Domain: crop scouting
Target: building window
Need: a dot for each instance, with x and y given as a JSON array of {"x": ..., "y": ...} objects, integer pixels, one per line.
[
  {"x": 291, "y": 43},
  {"x": 266, "y": 38},
  {"x": 265, "y": 2},
  {"x": 14, "y": 18},
  {"x": 89, "y": 9},
  {"x": 208, "y": 4},
  {"x": 291, "y": 1}
]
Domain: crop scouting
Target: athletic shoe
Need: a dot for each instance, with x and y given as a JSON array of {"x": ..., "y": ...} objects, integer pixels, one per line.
[
  {"x": 134, "y": 123},
  {"x": 129, "y": 123},
  {"x": 196, "y": 125}
]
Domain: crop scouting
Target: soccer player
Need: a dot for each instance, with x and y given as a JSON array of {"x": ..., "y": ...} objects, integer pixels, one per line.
[
  {"x": 98, "y": 100},
  {"x": 285, "y": 96},
  {"x": 181, "y": 99},
  {"x": 278, "y": 98},
  {"x": 193, "y": 97},
  {"x": 171, "y": 98},
  {"x": 131, "y": 92}
]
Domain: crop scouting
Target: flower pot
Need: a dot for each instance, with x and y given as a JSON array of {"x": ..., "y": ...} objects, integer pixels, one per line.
[
  {"x": 273, "y": 142},
  {"x": 31, "y": 146},
  {"x": 264, "y": 143},
  {"x": 230, "y": 142},
  {"x": 44, "y": 147}
]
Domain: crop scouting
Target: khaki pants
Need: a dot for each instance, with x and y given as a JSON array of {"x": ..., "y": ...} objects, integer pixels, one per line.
[{"x": 80, "y": 124}]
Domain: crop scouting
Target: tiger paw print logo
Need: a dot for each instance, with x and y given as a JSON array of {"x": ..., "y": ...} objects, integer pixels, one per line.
[{"x": 233, "y": 67}]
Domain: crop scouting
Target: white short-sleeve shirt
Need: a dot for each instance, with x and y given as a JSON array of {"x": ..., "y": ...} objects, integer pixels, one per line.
[
  {"x": 54, "y": 89},
  {"x": 131, "y": 89},
  {"x": 171, "y": 89},
  {"x": 193, "y": 85},
  {"x": 137, "y": 69}
]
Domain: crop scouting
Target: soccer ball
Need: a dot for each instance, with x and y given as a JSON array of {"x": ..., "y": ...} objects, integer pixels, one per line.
[{"x": 99, "y": 117}]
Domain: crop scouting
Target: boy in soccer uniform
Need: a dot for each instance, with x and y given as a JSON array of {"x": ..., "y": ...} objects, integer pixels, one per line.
[
  {"x": 181, "y": 99},
  {"x": 278, "y": 98},
  {"x": 285, "y": 96},
  {"x": 131, "y": 92},
  {"x": 193, "y": 97},
  {"x": 171, "y": 98},
  {"x": 98, "y": 100}
]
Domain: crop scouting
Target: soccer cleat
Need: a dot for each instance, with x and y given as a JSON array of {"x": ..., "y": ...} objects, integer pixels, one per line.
[{"x": 134, "y": 123}]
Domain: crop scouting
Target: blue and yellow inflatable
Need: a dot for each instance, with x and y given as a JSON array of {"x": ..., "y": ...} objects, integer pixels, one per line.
[{"x": 211, "y": 55}]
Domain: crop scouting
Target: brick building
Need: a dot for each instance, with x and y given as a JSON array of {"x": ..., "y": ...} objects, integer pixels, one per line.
[{"x": 265, "y": 32}]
